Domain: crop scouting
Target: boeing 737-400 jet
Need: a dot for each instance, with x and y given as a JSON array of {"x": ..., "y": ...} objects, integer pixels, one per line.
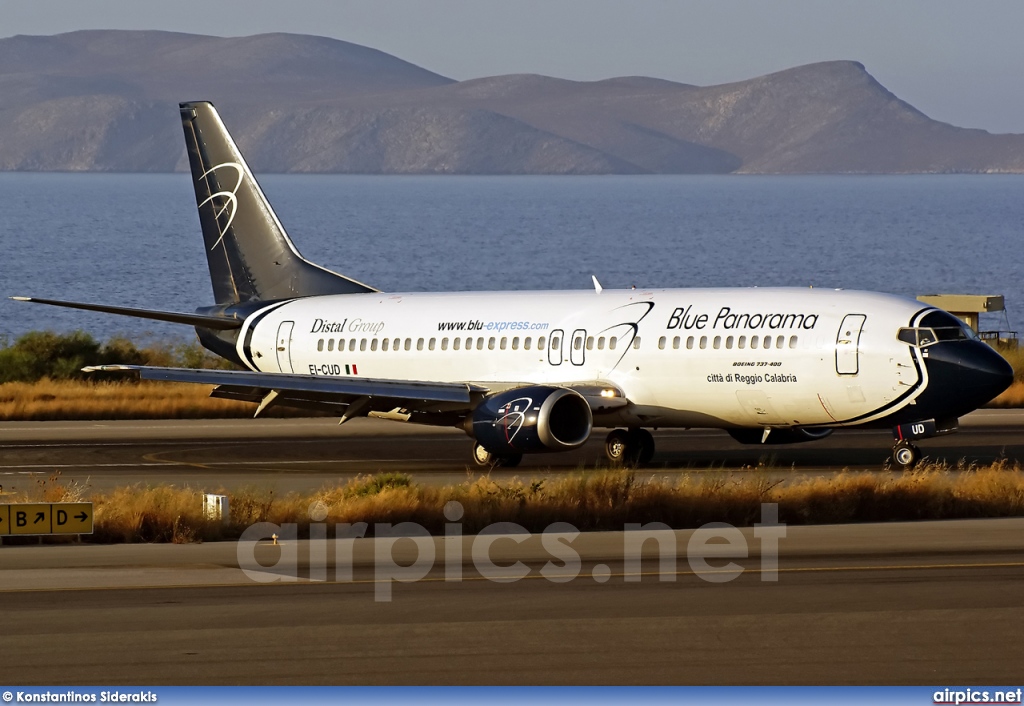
[{"x": 533, "y": 372}]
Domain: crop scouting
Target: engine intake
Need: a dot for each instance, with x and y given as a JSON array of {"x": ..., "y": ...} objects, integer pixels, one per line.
[{"x": 532, "y": 419}]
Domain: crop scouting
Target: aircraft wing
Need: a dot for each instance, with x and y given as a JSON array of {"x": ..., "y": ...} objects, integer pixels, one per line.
[{"x": 346, "y": 396}]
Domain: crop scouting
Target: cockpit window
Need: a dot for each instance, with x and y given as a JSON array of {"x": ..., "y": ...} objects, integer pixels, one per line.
[
  {"x": 947, "y": 327},
  {"x": 936, "y": 326}
]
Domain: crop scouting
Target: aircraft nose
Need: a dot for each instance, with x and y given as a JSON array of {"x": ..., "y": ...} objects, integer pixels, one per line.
[{"x": 982, "y": 373}]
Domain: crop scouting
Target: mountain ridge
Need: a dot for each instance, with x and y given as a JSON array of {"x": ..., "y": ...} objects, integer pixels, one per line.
[{"x": 106, "y": 100}]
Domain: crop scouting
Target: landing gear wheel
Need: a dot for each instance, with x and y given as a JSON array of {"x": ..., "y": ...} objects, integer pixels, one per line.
[
  {"x": 906, "y": 455},
  {"x": 629, "y": 448},
  {"x": 644, "y": 444},
  {"x": 617, "y": 447},
  {"x": 485, "y": 459}
]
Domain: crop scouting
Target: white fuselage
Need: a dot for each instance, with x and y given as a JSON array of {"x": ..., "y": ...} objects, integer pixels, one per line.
[{"x": 776, "y": 357}]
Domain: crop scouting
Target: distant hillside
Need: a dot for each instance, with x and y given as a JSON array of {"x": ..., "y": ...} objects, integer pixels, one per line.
[{"x": 107, "y": 101}]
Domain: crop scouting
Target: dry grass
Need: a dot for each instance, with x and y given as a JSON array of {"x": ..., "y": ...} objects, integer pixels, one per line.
[
  {"x": 602, "y": 500},
  {"x": 1013, "y": 396},
  {"x": 49, "y": 400}
]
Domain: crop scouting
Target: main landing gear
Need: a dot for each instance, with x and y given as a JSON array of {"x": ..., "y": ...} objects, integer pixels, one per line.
[
  {"x": 629, "y": 447},
  {"x": 485, "y": 459}
]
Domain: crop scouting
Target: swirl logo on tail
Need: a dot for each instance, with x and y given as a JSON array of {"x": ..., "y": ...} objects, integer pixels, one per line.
[{"x": 230, "y": 199}]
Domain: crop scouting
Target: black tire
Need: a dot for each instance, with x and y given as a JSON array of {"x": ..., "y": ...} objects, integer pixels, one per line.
[
  {"x": 485, "y": 459},
  {"x": 482, "y": 457},
  {"x": 617, "y": 447},
  {"x": 644, "y": 444},
  {"x": 905, "y": 455},
  {"x": 627, "y": 448},
  {"x": 510, "y": 461}
]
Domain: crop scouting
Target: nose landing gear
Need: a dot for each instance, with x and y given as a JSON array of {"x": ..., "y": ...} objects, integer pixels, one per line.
[{"x": 905, "y": 454}]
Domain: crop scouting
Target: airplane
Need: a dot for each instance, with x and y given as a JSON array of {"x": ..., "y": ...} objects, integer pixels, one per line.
[{"x": 532, "y": 372}]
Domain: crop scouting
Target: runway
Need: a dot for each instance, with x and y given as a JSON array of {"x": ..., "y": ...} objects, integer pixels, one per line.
[
  {"x": 303, "y": 454},
  {"x": 934, "y": 603}
]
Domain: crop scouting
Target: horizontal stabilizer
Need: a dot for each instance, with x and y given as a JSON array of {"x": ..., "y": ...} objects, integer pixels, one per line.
[{"x": 222, "y": 323}]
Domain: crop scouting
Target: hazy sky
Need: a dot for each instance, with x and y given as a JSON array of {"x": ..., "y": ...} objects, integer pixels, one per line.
[{"x": 961, "y": 62}]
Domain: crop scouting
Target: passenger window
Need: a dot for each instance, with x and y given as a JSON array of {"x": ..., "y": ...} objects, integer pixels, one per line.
[
  {"x": 742, "y": 342},
  {"x": 490, "y": 343},
  {"x": 515, "y": 343},
  {"x": 320, "y": 345},
  {"x": 718, "y": 342},
  {"x": 373, "y": 344},
  {"x": 456, "y": 343},
  {"x": 555, "y": 343},
  {"x": 526, "y": 343},
  {"x": 590, "y": 343},
  {"x": 728, "y": 342},
  {"x": 767, "y": 342},
  {"x": 780, "y": 342},
  {"x": 577, "y": 343},
  {"x": 753, "y": 342},
  {"x": 419, "y": 344},
  {"x": 611, "y": 343},
  {"x": 330, "y": 344},
  {"x": 362, "y": 344},
  {"x": 689, "y": 342},
  {"x": 384, "y": 344},
  {"x": 675, "y": 343},
  {"x": 792, "y": 341},
  {"x": 408, "y": 344},
  {"x": 444, "y": 343},
  {"x": 469, "y": 343},
  {"x": 341, "y": 344},
  {"x": 430, "y": 345},
  {"x": 352, "y": 345},
  {"x": 600, "y": 343},
  {"x": 703, "y": 342},
  {"x": 661, "y": 343},
  {"x": 636, "y": 343},
  {"x": 504, "y": 343},
  {"x": 480, "y": 343},
  {"x": 540, "y": 343}
]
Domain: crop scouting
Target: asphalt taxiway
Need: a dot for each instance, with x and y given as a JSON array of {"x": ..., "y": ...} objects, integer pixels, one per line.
[
  {"x": 304, "y": 454},
  {"x": 932, "y": 602}
]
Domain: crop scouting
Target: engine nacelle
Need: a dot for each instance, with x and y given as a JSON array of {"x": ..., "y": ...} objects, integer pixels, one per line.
[
  {"x": 778, "y": 436},
  {"x": 532, "y": 419}
]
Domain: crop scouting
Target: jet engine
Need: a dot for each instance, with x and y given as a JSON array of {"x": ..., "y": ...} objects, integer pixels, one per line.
[
  {"x": 532, "y": 420},
  {"x": 778, "y": 436}
]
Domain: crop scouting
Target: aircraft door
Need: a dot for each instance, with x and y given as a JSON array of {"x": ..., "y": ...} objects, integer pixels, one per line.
[
  {"x": 284, "y": 346},
  {"x": 577, "y": 352},
  {"x": 555, "y": 347},
  {"x": 848, "y": 344}
]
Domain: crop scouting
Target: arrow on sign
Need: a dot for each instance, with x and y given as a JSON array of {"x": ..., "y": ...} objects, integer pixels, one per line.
[
  {"x": 40, "y": 516},
  {"x": 81, "y": 517}
]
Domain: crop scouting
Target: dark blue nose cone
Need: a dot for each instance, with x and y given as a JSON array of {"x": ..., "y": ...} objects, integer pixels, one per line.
[
  {"x": 962, "y": 376},
  {"x": 983, "y": 372}
]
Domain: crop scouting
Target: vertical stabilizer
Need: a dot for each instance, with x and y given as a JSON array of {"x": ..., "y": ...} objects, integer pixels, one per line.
[{"x": 251, "y": 256}]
